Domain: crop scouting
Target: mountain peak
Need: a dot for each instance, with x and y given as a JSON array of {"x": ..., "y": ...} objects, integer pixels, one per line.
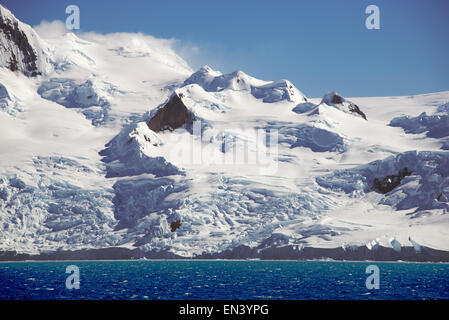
[
  {"x": 207, "y": 69},
  {"x": 333, "y": 99}
]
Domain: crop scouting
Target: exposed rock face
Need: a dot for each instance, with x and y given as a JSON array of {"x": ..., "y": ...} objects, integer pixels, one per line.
[
  {"x": 337, "y": 99},
  {"x": 352, "y": 107},
  {"x": 25, "y": 59},
  {"x": 390, "y": 182},
  {"x": 175, "y": 225},
  {"x": 355, "y": 108},
  {"x": 332, "y": 98},
  {"x": 172, "y": 116}
]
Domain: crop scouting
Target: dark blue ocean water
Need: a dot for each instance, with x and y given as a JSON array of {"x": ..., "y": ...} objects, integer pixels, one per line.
[{"x": 222, "y": 280}]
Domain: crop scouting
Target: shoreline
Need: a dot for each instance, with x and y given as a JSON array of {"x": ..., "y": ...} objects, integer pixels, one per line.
[
  {"x": 221, "y": 260},
  {"x": 241, "y": 253}
]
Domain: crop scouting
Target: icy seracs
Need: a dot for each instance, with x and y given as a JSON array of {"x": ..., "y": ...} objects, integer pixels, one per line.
[{"x": 93, "y": 166}]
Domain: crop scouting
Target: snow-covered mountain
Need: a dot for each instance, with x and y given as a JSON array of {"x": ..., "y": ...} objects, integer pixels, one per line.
[
  {"x": 111, "y": 146},
  {"x": 21, "y": 49}
]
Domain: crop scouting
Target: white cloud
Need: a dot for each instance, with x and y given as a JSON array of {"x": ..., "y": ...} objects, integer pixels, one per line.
[
  {"x": 169, "y": 51},
  {"x": 51, "y": 29},
  {"x": 139, "y": 44},
  {"x": 133, "y": 41}
]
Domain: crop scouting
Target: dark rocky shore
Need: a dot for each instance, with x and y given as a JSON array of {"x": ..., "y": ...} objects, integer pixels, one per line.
[{"x": 243, "y": 252}]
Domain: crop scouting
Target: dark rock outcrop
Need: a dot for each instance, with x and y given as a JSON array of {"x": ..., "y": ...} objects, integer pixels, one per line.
[
  {"x": 333, "y": 98},
  {"x": 172, "y": 116},
  {"x": 12, "y": 32},
  {"x": 337, "y": 99},
  {"x": 355, "y": 108},
  {"x": 390, "y": 182},
  {"x": 175, "y": 225}
]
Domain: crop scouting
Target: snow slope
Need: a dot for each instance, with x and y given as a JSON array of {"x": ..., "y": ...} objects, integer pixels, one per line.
[{"x": 260, "y": 167}]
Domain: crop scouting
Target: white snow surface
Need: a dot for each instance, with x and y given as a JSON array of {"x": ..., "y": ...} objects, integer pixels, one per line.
[{"x": 79, "y": 167}]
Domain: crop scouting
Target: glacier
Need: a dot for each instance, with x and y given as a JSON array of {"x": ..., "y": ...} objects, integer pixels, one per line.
[
  {"x": 435, "y": 126},
  {"x": 425, "y": 188},
  {"x": 259, "y": 171}
]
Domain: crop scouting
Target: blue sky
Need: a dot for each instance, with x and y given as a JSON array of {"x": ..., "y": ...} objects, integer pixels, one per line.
[{"x": 319, "y": 45}]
